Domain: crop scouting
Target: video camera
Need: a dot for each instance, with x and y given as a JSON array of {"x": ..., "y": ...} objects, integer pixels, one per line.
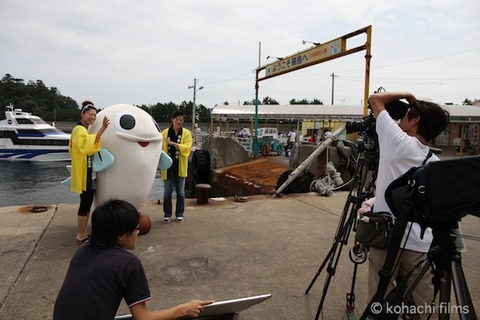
[{"x": 397, "y": 110}]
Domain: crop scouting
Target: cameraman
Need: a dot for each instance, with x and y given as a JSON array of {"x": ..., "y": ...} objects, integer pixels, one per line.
[{"x": 403, "y": 146}]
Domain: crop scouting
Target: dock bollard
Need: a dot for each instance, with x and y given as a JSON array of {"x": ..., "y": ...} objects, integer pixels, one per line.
[{"x": 202, "y": 191}]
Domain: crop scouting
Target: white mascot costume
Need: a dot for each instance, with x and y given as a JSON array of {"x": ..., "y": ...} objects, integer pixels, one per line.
[{"x": 133, "y": 142}]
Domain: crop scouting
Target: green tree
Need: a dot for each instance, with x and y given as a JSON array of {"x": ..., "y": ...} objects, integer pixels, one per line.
[
  {"x": 162, "y": 112},
  {"x": 268, "y": 100},
  {"x": 35, "y": 97},
  {"x": 202, "y": 113},
  {"x": 303, "y": 101},
  {"x": 265, "y": 100},
  {"x": 306, "y": 101}
]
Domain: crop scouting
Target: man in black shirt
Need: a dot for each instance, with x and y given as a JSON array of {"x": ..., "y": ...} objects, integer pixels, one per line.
[{"x": 103, "y": 272}]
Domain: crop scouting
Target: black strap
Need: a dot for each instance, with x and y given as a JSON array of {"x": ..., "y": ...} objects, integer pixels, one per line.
[
  {"x": 89, "y": 172},
  {"x": 430, "y": 153},
  {"x": 385, "y": 273}
]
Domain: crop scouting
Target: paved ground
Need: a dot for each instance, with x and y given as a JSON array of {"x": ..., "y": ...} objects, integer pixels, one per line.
[{"x": 225, "y": 249}]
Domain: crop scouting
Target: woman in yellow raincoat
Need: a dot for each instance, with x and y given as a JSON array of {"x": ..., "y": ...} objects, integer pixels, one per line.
[
  {"x": 82, "y": 147},
  {"x": 177, "y": 142}
]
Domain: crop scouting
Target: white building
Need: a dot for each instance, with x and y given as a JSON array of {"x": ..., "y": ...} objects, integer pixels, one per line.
[{"x": 464, "y": 120}]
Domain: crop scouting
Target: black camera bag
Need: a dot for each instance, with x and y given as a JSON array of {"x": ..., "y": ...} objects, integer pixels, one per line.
[{"x": 374, "y": 229}]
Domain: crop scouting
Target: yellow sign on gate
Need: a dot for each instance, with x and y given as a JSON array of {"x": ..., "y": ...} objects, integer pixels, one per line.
[{"x": 299, "y": 60}]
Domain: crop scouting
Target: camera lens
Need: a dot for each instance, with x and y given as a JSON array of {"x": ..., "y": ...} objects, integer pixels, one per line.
[{"x": 354, "y": 126}]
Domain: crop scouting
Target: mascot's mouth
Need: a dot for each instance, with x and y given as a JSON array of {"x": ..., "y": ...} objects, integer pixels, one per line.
[{"x": 141, "y": 140}]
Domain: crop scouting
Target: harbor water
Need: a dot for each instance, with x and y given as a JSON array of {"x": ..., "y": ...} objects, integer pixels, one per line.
[{"x": 38, "y": 183}]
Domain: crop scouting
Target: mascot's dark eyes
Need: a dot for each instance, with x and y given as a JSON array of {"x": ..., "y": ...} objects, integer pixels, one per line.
[{"x": 127, "y": 122}]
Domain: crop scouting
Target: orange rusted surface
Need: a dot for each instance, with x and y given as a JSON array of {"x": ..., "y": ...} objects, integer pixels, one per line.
[{"x": 258, "y": 176}]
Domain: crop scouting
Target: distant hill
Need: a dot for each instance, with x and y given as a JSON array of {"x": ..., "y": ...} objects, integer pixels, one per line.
[{"x": 35, "y": 97}]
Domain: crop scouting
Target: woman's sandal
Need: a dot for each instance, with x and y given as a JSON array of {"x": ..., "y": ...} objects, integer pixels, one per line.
[{"x": 82, "y": 241}]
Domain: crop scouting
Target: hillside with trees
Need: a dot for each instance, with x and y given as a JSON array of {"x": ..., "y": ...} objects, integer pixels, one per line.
[
  {"x": 35, "y": 97},
  {"x": 49, "y": 104}
]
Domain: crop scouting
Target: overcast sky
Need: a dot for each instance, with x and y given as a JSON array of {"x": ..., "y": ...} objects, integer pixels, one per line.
[{"x": 149, "y": 51}]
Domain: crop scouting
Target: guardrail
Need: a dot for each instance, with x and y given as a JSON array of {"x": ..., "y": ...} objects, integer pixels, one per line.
[{"x": 246, "y": 143}]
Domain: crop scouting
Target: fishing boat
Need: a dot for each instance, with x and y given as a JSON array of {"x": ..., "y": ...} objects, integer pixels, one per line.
[{"x": 26, "y": 137}]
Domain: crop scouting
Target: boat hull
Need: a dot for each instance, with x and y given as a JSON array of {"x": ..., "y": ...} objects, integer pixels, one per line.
[
  {"x": 26, "y": 137},
  {"x": 36, "y": 154},
  {"x": 34, "y": 145}
]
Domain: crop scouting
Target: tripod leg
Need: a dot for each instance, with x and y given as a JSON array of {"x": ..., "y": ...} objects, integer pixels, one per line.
[
  {"x": 464, "y": 308},
  {"x": 464, "y": 300},
  {"x": 448, "y": 271},
  {"x": 332, "y": 266},
  {"x": 344, "y": 226},
  {"x": 408, "y": 292},
  {"x": 344, "y": 229},
  {"x": 445, "y": 293},
  {"x": 335, "y": 256},
  {"x": 324, "y": 263},
  {"x": 350, "y": 306}
]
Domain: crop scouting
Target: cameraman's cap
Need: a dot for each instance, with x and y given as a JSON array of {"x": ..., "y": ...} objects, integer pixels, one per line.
[
  {"x": 86, "y": 105},
  {"x": 397, "y": 109}
]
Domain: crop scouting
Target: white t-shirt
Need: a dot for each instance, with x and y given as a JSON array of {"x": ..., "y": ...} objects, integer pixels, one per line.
[
  {"x": 292, "y": 136},
  {"x": 399, "y": 152}
]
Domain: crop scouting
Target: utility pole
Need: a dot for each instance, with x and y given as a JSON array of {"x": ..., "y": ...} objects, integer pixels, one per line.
[
  {"x": 194, "y": 108},
  {"x": 333, "y": 85}
]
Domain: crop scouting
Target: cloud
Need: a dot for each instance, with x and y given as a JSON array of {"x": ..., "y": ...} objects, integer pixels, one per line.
[{"x": 150, "y": 51}]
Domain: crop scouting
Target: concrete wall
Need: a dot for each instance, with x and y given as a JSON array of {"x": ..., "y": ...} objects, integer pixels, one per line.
[
  {"x": 301, "y": 151},
  {"x": 224, "y": 151}
]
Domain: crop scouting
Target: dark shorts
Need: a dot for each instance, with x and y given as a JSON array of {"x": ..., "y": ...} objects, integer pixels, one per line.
[{"x": 86, "y": 201}]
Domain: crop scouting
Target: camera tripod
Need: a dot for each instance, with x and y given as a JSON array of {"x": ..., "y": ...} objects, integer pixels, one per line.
[
  {"x": 445, "y": 260},
  {"x": 410, "y": 198},
  {"x": 448, "y": 270},
  {"x": 359, "y": 191}
]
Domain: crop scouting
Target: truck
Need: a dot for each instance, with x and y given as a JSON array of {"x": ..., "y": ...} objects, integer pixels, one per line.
[{"x": 271, "y": 137}]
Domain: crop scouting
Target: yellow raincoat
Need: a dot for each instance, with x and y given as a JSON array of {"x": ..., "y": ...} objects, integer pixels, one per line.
[
  {"x": 185, "y": 146},
  {"x": 81, "y": 144}
]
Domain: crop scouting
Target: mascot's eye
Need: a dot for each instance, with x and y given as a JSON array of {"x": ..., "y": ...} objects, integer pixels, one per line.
[{"x": 126, "y": 121}]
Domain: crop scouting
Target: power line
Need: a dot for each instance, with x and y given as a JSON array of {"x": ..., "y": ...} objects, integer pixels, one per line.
[
  {"x": 427, "y": 59},
  {"x": 228, "y": 79}
]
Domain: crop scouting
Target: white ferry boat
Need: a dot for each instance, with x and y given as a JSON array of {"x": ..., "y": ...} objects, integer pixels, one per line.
[{"x": 26, "y": 137}]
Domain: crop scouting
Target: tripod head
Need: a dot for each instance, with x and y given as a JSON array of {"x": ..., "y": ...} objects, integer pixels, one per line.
[{"x": 368, "y": 144}]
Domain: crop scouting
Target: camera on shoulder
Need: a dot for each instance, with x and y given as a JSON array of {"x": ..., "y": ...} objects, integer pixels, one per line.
[{"x": 396, "y": 109}]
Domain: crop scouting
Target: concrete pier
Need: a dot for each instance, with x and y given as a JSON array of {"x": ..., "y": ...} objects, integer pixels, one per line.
[{"x": 225, "y": 249}]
